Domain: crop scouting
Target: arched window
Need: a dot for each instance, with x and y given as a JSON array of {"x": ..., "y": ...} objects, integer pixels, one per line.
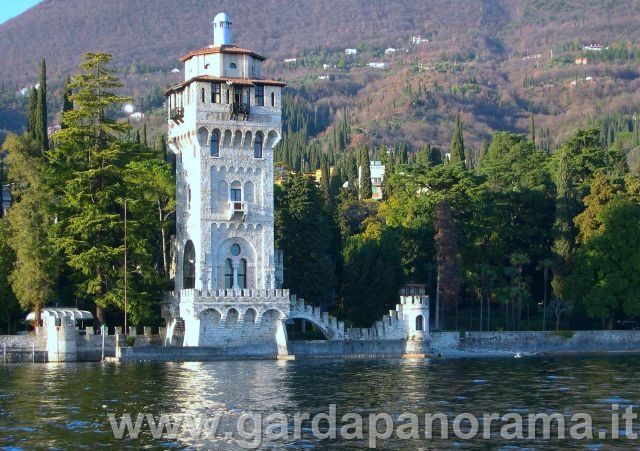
[
  {"x": 228, "y": 273},
  {"x": 189, "y": 266},
  {"x": 242, "y": 274},
  {"x": 215, "y": 144},
  {"x": 257, "y": 146},
  {"x": 419, "y": 322},
  {"x": 273, "y": 99},
  {"x": 232, "y": 66}
]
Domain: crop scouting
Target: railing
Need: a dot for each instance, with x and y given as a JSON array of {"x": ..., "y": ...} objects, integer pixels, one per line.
[
  {"x": 239, "y": 109},
  {"x": 237, "y": 208},
  {"x": 176, "y": 114}
]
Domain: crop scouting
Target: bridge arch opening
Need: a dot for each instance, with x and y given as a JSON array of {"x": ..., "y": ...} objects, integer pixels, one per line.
[{"x": 301, "y": 329}]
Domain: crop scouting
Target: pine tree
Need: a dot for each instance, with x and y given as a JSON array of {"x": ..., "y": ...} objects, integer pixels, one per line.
[
  {"x": 457, "y": 143},
  {"x": 41, "y": 110},
  {"x": 365, "y": 190},
  {"x": 87, "y": 162}
]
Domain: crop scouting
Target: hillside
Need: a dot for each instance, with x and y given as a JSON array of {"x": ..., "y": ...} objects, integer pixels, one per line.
[{"x": 496, "y": 61}]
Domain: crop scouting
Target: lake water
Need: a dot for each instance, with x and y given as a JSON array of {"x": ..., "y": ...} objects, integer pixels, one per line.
[{"x": 67, "y": 405}]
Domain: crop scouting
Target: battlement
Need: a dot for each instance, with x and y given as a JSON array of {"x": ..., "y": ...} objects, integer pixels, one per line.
[{"x": 415, "y": 300}]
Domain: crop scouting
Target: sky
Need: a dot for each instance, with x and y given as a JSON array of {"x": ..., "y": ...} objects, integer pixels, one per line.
[{"x": 12, "y": 8}]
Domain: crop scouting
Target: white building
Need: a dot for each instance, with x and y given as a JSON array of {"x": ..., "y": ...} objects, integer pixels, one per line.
[
  {"x": 377, "y": 65},
  {"x": 224, "y": 120},
  {"x": 350, "y": 51}
]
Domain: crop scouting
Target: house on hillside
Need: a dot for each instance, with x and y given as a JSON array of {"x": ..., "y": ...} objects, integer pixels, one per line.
[
  {"x": 417, "y": 40},
  {"x": 594, "y": 48},
  {"x": 290, "y": 60},
  {"x": 377, "y": 178},
  {"x": 377, "y": 65},
  {"x": 390, "y": 51},
  {"x": 350, "y": 51},
  {"x": 582, "y": 61}
]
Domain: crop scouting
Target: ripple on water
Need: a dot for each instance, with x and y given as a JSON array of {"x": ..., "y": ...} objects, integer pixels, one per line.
[{"x": 614, "y": 400}]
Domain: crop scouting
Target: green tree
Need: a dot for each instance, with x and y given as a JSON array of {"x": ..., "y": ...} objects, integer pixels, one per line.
[
  {"x": 30, "y": 219},
  {"x": 8, "y": 302},
  {"x": 371, "y": 276},
  {"x": 456, "y": 151},
  {"x": 590, "y": 221},
  {"x": 67, "y": 104},
  {"x": 303, "y": 233},
  {"x": 87, "y": 163},
  {"x": 364, "y": 187},
  {"x": 605, "y": 276},
  {"x": 447, "y": 259},
  {"x": 41, "y": 110},
  {"x": 32, "y": 113},
  {"x": 325, "y": 178}
]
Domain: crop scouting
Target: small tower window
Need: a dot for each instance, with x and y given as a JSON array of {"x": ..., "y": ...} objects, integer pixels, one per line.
[
  {"x": 228, "y": 273},
  {"x": 215, "y": 145},
  {"x": 242, "y": 274},
  {"x": 215, "y": 93},
  {"x": 419, "y": 322},
  {"x": 188, "y": 198},
  {"x": 233, "y": 66},
  {"x": 189, "y": 266},
  {"x": 236, "y": 192},
  {"x": 202, "y": 95},
  {"x": 259, "y": 95},
  {"x": 257, "y": 146},
  {"x": 273, "y": 99}
]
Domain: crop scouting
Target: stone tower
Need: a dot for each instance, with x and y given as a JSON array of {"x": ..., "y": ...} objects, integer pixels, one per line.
[{"x": 224, "y": 121}]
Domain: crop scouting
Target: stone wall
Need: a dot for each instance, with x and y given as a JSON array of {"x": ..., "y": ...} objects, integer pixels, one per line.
[
  {"x": 89, "y": 347},
  {"x": 581, "y": 341},
  {"x": 197, "y": 354},
  {"x": 22, "y": 348},
  {"x": 539, "y": 342},
  {"x": 354, "y": 348}
]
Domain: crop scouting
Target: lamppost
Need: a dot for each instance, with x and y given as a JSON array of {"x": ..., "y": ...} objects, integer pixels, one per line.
[{"x": 126, "y": 325}]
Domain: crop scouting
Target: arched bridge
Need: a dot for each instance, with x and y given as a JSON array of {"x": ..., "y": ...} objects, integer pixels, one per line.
[{"x": 328, "y": 325}]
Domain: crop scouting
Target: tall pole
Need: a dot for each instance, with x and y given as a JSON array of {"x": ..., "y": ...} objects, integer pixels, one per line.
[{"x": 126, "y": 330}]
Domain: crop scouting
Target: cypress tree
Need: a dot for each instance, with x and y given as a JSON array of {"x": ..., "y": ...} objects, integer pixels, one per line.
[
  {"x": 324, "y": 181},
  {"x": 365, "y": 188},
  {"x": 457, "y": 143},
  {"x": 41, "y": 111},
  {"x": 31, "y": 116},
  {"x": 532, "y": 129},
  {"x": 67, "y": 104}
]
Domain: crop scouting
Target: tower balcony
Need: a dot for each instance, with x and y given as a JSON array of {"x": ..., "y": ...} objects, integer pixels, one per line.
[
  {"x": 238, "y": 209},
  {"x": 177, "y": 114},
  {"x": 237, "y": 110}
]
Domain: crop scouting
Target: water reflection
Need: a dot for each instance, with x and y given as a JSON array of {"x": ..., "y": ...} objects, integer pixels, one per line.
[{"x": 66, "y": 405}]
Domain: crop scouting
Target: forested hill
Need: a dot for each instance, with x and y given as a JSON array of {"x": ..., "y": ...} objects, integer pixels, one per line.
[
  {"x": 418, "y": 63},
  {"x": 156, "y": 32}
]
